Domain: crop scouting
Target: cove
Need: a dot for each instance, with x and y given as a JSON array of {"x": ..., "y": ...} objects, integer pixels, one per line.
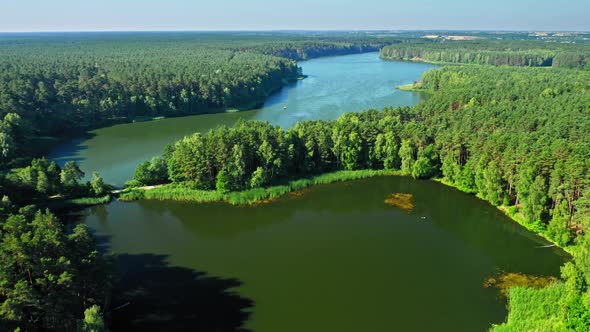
[
  {"x": 335, "y": 85},
  {"x": 335, "y": 257}
]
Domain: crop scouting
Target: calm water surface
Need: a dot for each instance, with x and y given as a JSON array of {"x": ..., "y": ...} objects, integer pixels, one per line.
[
  {"x": 335, "y": 85},
  {"x": 336, "y": 258}
]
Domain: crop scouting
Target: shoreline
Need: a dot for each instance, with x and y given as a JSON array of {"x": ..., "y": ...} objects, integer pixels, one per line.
[
  {"x": 506, "y": 211},
  {"x": 256, "y": 196},
  {"x": 411, "y": 88},
  {"x": 172, "y": 192}
]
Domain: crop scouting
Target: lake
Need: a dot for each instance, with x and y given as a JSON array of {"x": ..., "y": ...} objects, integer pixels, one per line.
[
  {"x": 335, "y": 85},
  {"x": 331, "y": 258}
]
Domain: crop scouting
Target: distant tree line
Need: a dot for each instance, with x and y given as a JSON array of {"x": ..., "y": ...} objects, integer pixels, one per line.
[
  {"x": 489, "y": 52},
  {"x": 59, "y": 91},
  {"x": 304, "y": 50}
]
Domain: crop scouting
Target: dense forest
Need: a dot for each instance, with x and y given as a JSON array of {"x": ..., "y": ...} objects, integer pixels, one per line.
[
  {"x": 489, "y": 52},
  {"x": 516, "y": 137},
  {"x": 59, "y": 84},
  {"x": 52, "y": 278},
  {"x": 92, "y": 85}
]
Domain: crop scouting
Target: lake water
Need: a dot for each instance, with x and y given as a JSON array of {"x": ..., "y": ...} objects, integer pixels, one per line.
[
  {"x": 335, "y": 85},
  {"x": 331, "y": 258}
]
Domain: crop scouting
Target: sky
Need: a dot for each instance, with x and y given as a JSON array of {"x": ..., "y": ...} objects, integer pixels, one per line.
[{"x": 124, "y": 15}]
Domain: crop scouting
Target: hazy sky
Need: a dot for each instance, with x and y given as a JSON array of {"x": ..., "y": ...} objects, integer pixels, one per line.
[{"x": 67, "y": 15}]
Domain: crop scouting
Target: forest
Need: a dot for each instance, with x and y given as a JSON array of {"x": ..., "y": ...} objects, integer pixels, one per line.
[
  {"x": 515, "y": 137},
  {"x": 52, "y": 278},
  {"x": 65, "y": 84},
  {"x": 490, "y": 52}
]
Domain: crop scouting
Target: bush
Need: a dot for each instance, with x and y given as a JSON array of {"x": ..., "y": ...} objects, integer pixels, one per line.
[
  {"x": 132, "y": 184},
  {"x": 152, "y": 172}
]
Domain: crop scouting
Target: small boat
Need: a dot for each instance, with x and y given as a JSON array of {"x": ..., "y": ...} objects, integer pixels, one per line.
[{"x": 284, "y": 107}]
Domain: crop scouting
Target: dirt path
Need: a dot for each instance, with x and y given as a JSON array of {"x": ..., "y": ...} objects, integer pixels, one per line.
[{"x": 118, "y": 191}]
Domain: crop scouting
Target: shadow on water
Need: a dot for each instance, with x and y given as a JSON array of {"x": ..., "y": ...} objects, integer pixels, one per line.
[
  {"x": 70, "y": 150},
  {"x": 153, "y": 296},
  {"x": 281, "y": 96}
]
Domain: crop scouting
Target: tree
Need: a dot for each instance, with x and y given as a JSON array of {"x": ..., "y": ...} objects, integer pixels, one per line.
[
  {"x": 46, "y": 276},
  {"x": 97, "y": 184},
  {"x": 558, "y": 228},
  {"x": 466, "y": 178},
  {"x": 386, "y": 150},
  {"x": 351, "y": 154},
  {"x": 93, "y": 320},
  {"x": 406, "y": 153},
  {"x": 534, "y": 203},
  {"x": 43, "y": 185},
  {"x": 223, "y": 182},
  {"x": 531, "y": 189},
  {"x": 582, "y": 215},
  {"x": 152, "y": 172},
  {"x": 258, "y": 178},
  {"x": 142, "y": 173},
  {"x": 422, "y": 168},
  {"x": 268, "y": 156},
  {"x": 237, "y": 167},
  {"x": 7, "y": 145},
  {"x": 492, "y": 184},
  {"x": 71, "y": 175},
  {"x": 158, "y": 171}
]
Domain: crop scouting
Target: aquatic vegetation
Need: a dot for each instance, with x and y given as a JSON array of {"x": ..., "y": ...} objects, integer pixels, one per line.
[
  {"x": 172, "y": 192},
  {"x": 401, "y": 201},
  {"x": 300, "y": 193},
  {"x": 504, "y": 282},
  {"x": 250, "y": 196},
  {"x": 90, "y": 200}
]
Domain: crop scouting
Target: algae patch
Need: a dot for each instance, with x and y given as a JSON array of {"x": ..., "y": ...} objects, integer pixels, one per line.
[
  {"x": 300, "y": 193},
  {"x": 505, "y": 281},
  {"x": 401, "y": 201}
]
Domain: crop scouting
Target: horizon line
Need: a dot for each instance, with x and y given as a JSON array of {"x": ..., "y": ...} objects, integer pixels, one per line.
[{"x": 294, "y": 30}]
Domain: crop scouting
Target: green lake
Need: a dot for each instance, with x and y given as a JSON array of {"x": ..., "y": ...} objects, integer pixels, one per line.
[{"x": 331, "y": 258}]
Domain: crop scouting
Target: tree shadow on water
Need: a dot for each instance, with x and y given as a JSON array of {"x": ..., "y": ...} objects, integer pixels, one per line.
[{"x": 152, "y": 296}]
